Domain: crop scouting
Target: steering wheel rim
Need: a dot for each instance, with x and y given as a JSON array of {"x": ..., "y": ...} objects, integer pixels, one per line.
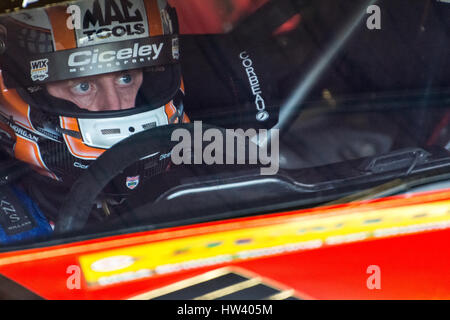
[{"x": 76, "y": 209}]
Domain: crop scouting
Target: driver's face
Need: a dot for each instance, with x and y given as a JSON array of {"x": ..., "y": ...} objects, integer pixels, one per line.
[{"x": 112, "y": 91}]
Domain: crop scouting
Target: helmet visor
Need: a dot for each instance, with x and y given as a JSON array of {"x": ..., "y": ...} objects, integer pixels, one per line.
[{"x": 38, "y": 69}]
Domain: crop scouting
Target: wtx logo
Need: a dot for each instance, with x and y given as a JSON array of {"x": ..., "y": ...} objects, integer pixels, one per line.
[
  {"x": 39, "y": 69},
  {"x": 101, "y": 20}
]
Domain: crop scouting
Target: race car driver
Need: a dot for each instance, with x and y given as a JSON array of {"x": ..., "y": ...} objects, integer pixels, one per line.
[
  {"x": 62, "y": 104},
  {"x": 67, "y": 96}
]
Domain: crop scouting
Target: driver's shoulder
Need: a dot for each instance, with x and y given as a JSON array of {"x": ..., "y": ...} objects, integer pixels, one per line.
[{"x": 20, "y": 217}]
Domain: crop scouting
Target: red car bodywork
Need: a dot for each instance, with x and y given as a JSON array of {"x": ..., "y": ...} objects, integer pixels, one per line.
[{"x": 412, "y": 264}]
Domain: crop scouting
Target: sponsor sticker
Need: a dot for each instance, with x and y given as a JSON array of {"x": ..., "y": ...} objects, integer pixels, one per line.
[
  {"x": 88, "y": 59},
  {"x": 25, "y": 133},
  {"x": 111, "y": 20},
  {"x": 293, "y": 234},
  {"x": 39, "y": 69},
  {"x": 112, "y": 263},
  {"x": 132, "y": 182}
]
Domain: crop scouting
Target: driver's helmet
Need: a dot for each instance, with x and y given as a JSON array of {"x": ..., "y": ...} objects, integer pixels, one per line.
[{"x": 63, "y": 44}]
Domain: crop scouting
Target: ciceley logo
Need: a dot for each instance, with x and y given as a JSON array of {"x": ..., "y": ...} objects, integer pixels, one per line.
[
  {"x": 103, "y": 20},
  {"x": 98, "y": 59}
]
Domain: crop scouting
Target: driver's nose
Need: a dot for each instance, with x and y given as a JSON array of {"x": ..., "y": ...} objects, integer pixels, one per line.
[{"x": 110, "y": 96}]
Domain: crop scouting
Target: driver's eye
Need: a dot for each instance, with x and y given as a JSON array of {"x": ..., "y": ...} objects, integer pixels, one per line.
[
  {"x": 82, "y": 88},
  {"x": 125, "y": 79}
]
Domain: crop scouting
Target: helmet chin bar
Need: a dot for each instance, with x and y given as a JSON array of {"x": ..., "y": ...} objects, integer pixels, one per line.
[{"x": 106, "y": 132}]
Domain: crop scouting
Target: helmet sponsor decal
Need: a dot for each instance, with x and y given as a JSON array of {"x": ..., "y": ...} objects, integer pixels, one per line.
[
  {"x": 24, "y": 133},
  {"x": 96, "y": 58},
  {"x": 111, "y": 20},
  {"x": 39, "y": 69},
  {"x": 80, "y": 165}
]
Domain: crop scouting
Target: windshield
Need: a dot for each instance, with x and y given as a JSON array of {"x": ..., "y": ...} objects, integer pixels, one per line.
[{"x": 117, "y": 116}]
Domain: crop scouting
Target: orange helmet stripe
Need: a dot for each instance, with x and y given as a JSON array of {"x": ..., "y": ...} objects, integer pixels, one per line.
[
  {"x": 28, "y": 151},
  {"x": 154, "y": 18},
  {"x": 182, "y": 86},
  {"x": 64, "y": 38},
  {"x": 170, "y": 110},
  {"x": 76, "y": 146},
  {"x": 14, "y": 106}
]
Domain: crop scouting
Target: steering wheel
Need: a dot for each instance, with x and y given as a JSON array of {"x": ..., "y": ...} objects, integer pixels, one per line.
[{"x": 78, "y": 204}]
